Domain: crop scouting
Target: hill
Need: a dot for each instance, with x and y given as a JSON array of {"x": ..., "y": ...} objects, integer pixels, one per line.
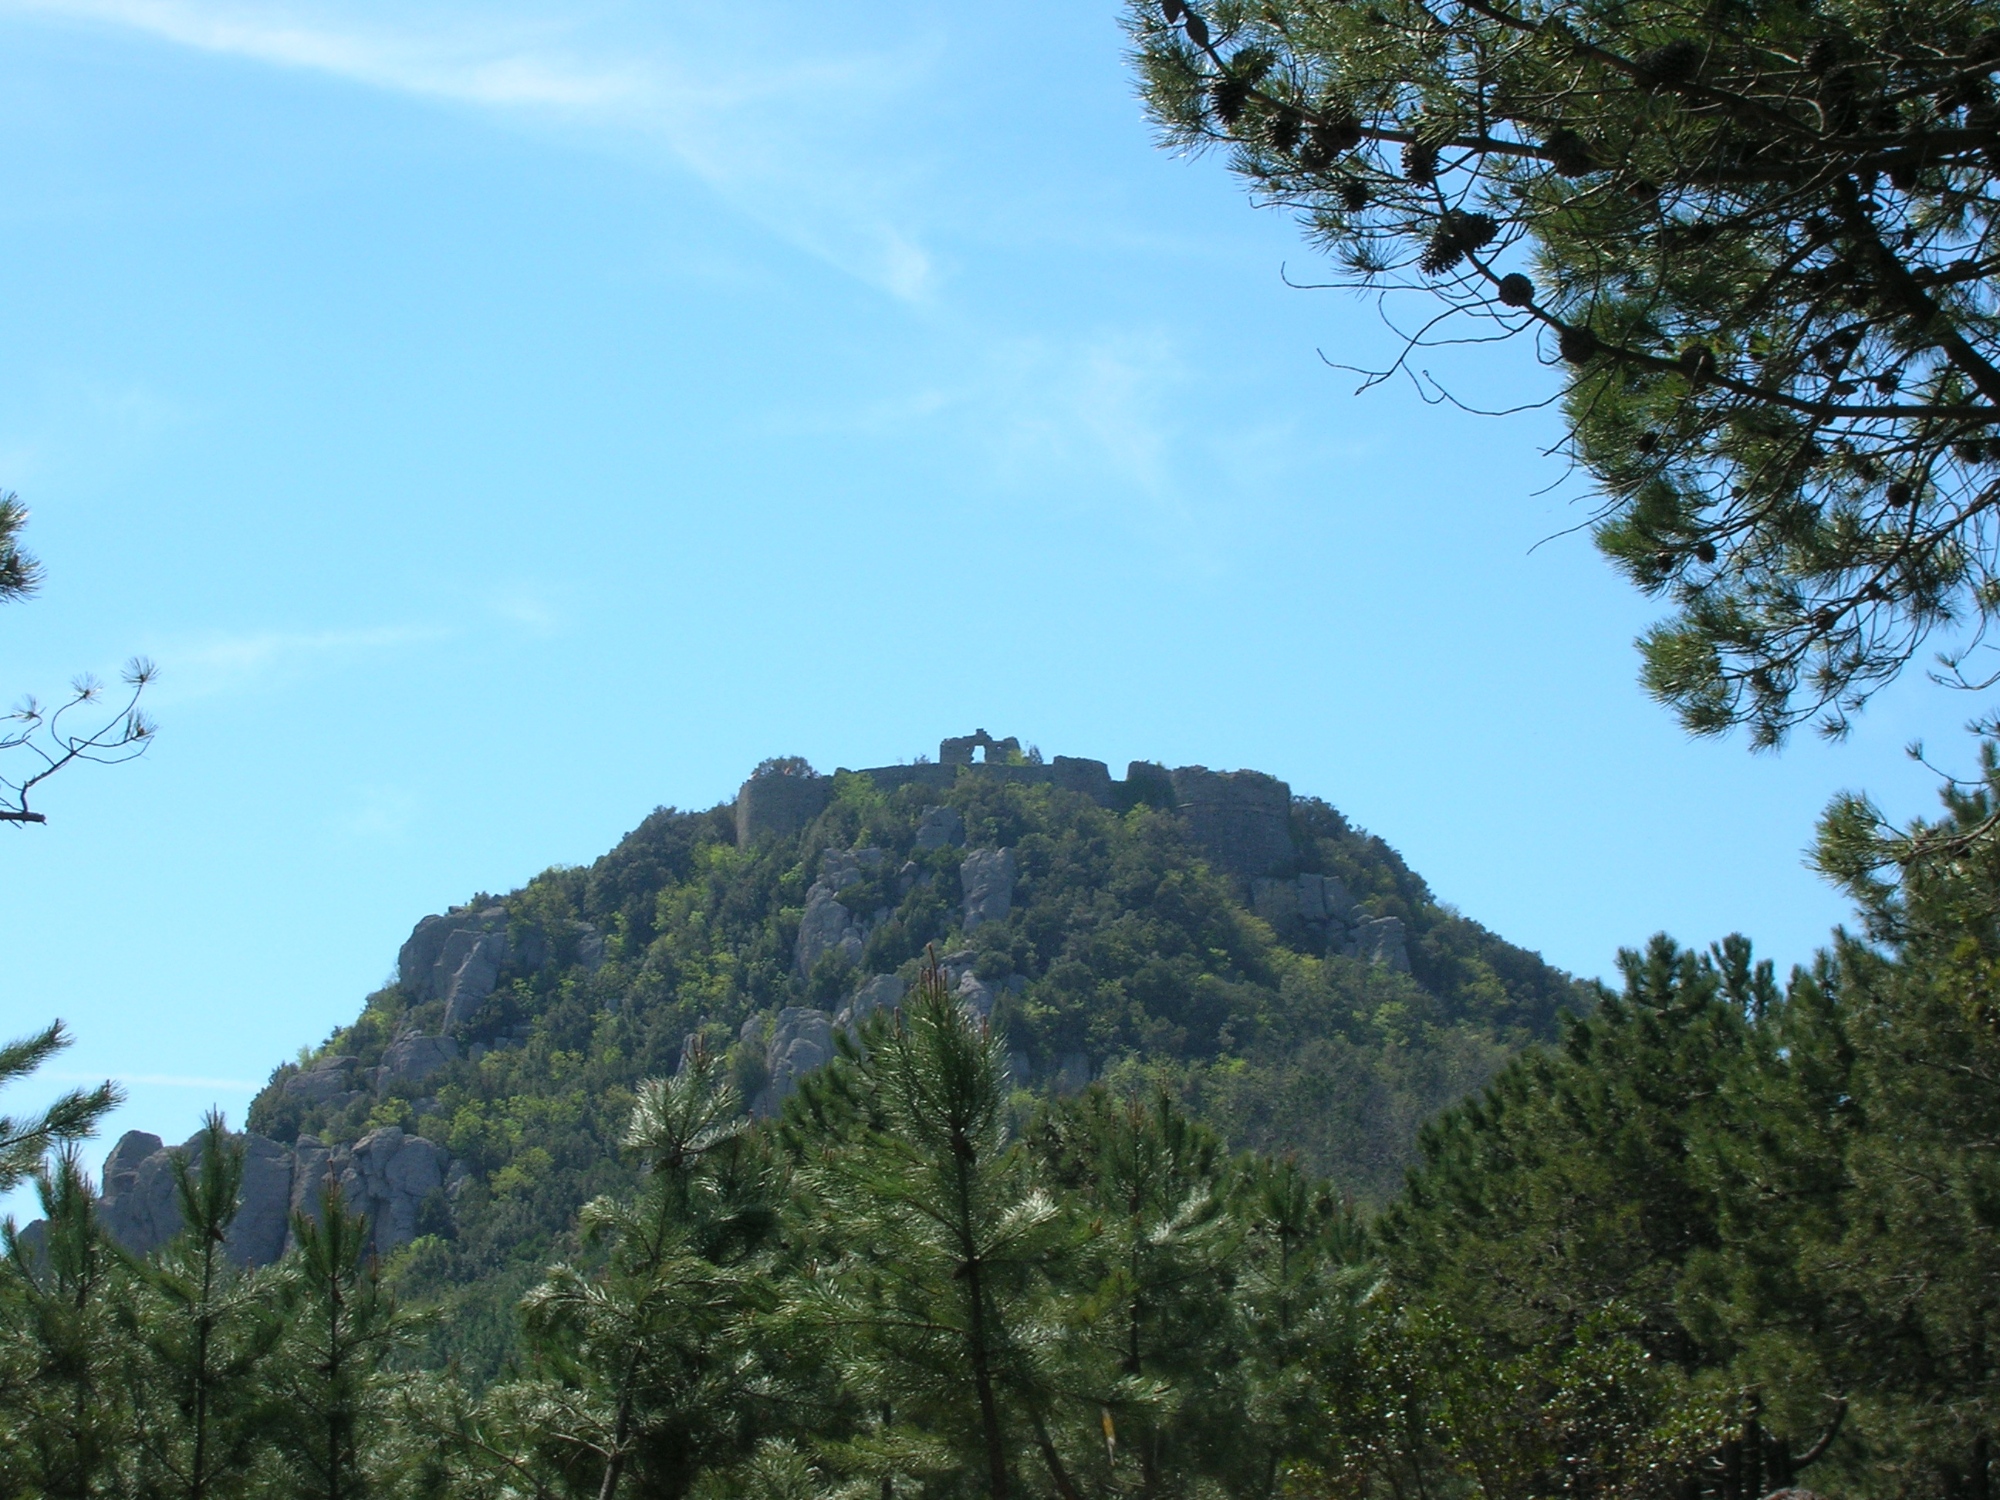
[{"x": 1282, "y": 971}]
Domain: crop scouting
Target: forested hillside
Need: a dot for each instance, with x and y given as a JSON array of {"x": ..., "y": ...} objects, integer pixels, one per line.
[
  {"x": 1725, "y": 1236},
  {"x": 1122, "y": 947}
]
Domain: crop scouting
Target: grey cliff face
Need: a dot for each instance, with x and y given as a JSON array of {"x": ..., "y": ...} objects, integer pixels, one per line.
[
  {"x": 988, "y": 878},
  {"x": 456, "y": 958},
  {"x": 1381, "y": 940},
  {"x": 409, "y": 1060},
  {"x": 330, "y": 1080},
  {"x": 939, "y": 827},
  {"x": 386, "y": 1176},
  {"x": 883, "y": 992},
  {"x": 827, "y": 925},
  {"x": 1323, "y": 905},
  {"x": 801, "y": 1042}
]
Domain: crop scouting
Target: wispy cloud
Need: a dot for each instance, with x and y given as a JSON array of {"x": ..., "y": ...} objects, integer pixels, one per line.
[
  {"x": 378, "y": 812},
  {"x": 206, "y": 665},
  {"x": 784, "y": 134}
]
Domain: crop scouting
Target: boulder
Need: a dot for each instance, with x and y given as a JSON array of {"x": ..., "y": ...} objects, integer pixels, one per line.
[
  {"x": 801, "y": 1041},
  {"x": 1316, "y": 900},
  {"x": 140, "y": 1208},
  {"x": 121, "y": 1167},
  {"x": 325, "y": 1080},
  {"x": 939, "y": 827},
  {"x": 883, "y": 992},
  {"x": 1242, "y": 820},
  {"x": 987, "y": 876},
  {"x": 409, "y": 1060},
  {"x": 457, "y": 958},
  {"x": 264, "y": 1211},
  {"x": 386, "y": 1175},
  {"x": 826, "y": 927},
  {"x": 975, "y": 995},
  {"x": 310, "y": 1160},
  {"x": 1381, "y": 940}
]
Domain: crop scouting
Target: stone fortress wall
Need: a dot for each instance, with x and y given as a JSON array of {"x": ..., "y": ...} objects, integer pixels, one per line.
[{"x": 1240, "y": 819}]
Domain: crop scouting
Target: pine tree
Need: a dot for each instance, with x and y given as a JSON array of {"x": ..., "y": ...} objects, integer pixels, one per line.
[
  {"x": 333, "y": 1431},
  {"x": 204, "y": 1329},
  {"x": 941, "y": 1289},
  {"x": 62, "y": 1419},
  {"x": 650, "y": 1357},
  {"x": 24, "y": 1142},
  {"x": 1758, "y": 241},
  {"x": 1151, "y": 1287}
]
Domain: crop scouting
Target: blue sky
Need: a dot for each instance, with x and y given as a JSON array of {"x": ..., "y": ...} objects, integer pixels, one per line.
[{"x": 500, "y": 420}]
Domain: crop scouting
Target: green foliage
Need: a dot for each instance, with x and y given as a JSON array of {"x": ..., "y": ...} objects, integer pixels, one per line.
[
  {"x": 25, "y": 1142},
  {"x": 1123, "y": 949},
  {"x": 201, "y": 1341},
  {"x": 1726, "y": 1236},
  {"x": 1758, "y": 239}
]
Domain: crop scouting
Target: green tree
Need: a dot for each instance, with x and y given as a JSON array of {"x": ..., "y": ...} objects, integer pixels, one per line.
[
  {"x": 45, "y": 740},
  {"x": 333, "y": 1428},
  {"x": 1757, "y": 237},
  {"x": 1589, "y": 1251},
  {"x": 651, "y": 1355},
  {"x": 1151, "y": 1288},
  {"x": 203, "y": 1330},
  {"x": 941, "y": 1291},
  {"x": 26, "y": 1141},
  {"x": 62, "y": 1417}
]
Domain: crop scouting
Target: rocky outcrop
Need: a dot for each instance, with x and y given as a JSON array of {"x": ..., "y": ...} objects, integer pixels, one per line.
[
  {"x": 137, "y": 1207},
  {"x": 1323, "y": 906},
  {"x": 386, "y": 1176},
  {"x": 883, "y": 992},
  {"x": 778, "y": 804},
  {"x": 827, "y": 925},
  {"x": 988, "y": 879},
  {"x": 456, "y": 958},
  {"x": 330, "y": 1080},
  {"x": 1242, "y": 820},
  {"x": 801, "y": 1042},
  {"x": 975, "y": 995},
  {"x": 409, "y": 1060},
  {"x": 1380, "y": 940},
  {"x": 939, "y": 827}
]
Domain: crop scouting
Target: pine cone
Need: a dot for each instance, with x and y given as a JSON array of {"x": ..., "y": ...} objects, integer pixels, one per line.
[
  {"x": 1569, "y": 154},
  {"x": 1674, "y": 62},
  {"x": 1577, "y": 345}
]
